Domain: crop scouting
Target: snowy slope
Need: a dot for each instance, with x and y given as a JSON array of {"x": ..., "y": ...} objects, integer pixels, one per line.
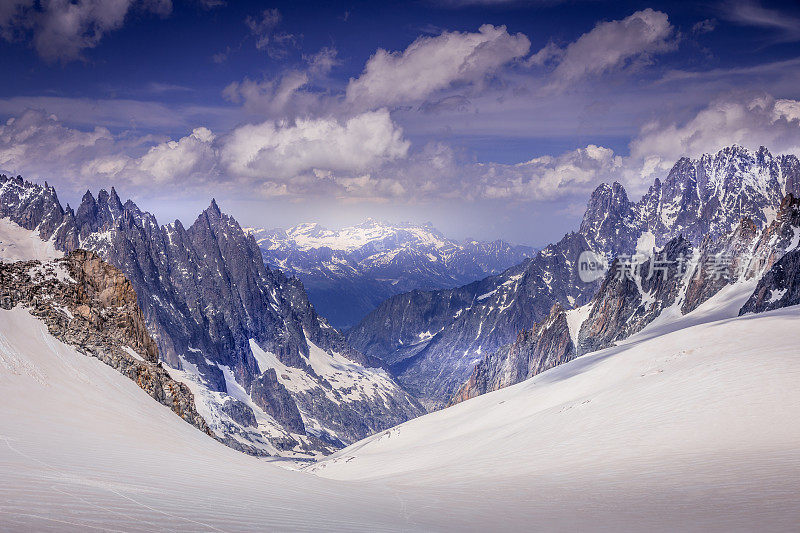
[
  {"x": 695, "y": 430},
  {"x": 82, "y": 447},
  {"x": 206, "y": 294},
  {"x": 20, "y": 244},
  {"x": 696, "y": 424}
]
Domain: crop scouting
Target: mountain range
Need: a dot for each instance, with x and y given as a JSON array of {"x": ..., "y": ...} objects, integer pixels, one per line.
[
  {"x": 268, "y": 374},
  {"x": 246, "y": 353},
  {"x": 348, "y": 272},
  {"x": 433, "y": 340}
]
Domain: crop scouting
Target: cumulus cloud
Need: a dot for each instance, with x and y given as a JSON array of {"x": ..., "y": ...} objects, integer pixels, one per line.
[
  {"x": 549, "y": 177},
  {"x": 272, "y": 156},
  {"x": 62, "y": 29},
  {"x": 36, "y": 142},
  {"x": 367, "y": 157},
  {"x": 431, "y": 64},
  {"x": 282, "y": 150},
  {"x": 275, "y": 96},
  {"x": 186, "y": 157},
  {"x": 610, "y": 45},
  {"x": 438, "y": 171},
  {"x": 192, "y": 157}
]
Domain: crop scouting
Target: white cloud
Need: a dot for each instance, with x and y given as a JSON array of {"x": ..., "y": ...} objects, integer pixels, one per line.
[
  {"x": 290, "y": 94},
  {"x": 275, "y": 96},
  {"x": 610, "y": 45},
  {"x": 188, "y": 156},
  {"x": 62, "y": 29},
  {"x": 321, "y": 63},
  {"x": 431, "y": 64},
  {"x": 35, "y": 142},
  {"x": 366, "y": 157},
  {"x": 751, "y": 122},
  {"x": 271, "y": 157},
  {"x": 544, "y": 178},
  {"x": 282, "y": 150},
  {"x": 437, "y": 171}
]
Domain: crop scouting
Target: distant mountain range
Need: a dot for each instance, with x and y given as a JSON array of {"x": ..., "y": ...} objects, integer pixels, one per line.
[
  {"x": 433, "y": 340},
  {"x": 349, "y": 272}
]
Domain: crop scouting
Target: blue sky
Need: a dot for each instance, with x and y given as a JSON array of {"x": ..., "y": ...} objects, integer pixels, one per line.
[{"x": 488, "y": 118}]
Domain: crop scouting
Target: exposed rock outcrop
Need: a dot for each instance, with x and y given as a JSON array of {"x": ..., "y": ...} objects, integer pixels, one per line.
[
  {"x": 633, "y": 295},
  {"x": 89, "y": 304},
  {"x": 780, "y": 284},
  {"x": 432, "y": 340},
  {"x": 631, "y": 298}
]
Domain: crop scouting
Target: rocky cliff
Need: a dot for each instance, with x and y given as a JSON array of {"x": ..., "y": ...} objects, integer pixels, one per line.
[
  {"x": 89, "y": 304},
  {"x": 432, "y": 340},
  {"x": 780, "y": 284}
]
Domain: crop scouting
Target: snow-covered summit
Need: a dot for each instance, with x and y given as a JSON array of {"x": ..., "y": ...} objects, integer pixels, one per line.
[
  {"x": 349, "y": 271},
  {"x": 311, "y": 235}
]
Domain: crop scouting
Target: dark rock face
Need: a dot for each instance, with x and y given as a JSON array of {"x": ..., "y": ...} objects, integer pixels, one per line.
[
  {"x": 609, "y": 221},
  {"x": 41, "y": 210},
  {"x": 625, "y": 305},
  {"x": 748, "y": 253},
  {"x": 349, "y": 272},
  {"x": 628, "y": 300},
  {"x": 735, "y": 248},
  {"x": 240, "y": 413},
  {"x": 546, "y": 345},
  {"x": 207, "y": 299},
  {"x": 89, "y": 304},
  {"x": 780, "y": 285},
  {"x": 700, "y": 198},
  {"x": 268, "y": 393},
  {"x": 703, "y": 199}
]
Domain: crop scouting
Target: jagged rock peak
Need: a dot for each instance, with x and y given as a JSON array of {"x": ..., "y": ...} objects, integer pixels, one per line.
[{"x": 214, "y": 208}]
